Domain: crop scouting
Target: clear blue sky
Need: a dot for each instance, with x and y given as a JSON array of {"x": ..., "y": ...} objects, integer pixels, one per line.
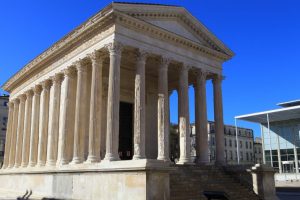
[{"x": 264, "y": 34}]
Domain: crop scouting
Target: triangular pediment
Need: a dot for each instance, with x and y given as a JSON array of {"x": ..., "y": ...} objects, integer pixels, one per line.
[
  {"x": 178, "y": 28},
  {"x": 176, "y": 20}
]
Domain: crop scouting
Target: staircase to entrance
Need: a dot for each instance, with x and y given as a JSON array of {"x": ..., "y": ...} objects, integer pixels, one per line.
[{"x": 192, "y": 182}]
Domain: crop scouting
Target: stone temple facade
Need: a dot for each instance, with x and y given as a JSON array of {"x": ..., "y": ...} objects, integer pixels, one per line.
[{"x": 89, "y": 117}]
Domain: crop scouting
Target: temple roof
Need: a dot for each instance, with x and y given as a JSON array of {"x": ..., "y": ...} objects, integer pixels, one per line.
[{"x": 174, "y": 20}]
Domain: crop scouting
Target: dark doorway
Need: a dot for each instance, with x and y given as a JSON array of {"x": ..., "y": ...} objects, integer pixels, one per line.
[{"x": 126, "y": 131}]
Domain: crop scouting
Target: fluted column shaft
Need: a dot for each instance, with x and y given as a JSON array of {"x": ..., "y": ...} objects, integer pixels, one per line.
[
  {"x": 34, "y": 134},
  {"x": 27, "y": 128},
  {"x": 80, "y": 113},
  {"x": 8, "y": 135},
  {"x": 65, "y": 118},
  {"x": 95, "y": 109},
  {"x": 163, "y": 111},
  {"x": 13, "y": 138},
  {"x": 43, "y": 123},
  {"x": 219, "y": 123},
  {"x": 184, "y": 121},
  {"x": 113, "y": 103},
  {"x": 201, "y": 118},
  {"x": 139, "y": 107},
  {"x": 20, "y": 131},
  {"x": 54, "y": 120}
]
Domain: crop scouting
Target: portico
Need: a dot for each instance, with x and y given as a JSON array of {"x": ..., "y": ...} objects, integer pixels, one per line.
[{"x": 65, "y": 105}]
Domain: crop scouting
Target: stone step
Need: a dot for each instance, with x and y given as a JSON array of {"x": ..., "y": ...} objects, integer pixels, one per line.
[{"x": 190, "y": 182}]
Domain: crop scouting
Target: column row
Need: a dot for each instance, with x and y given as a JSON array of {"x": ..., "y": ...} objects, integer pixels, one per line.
[{"x": 48, "y": 124}]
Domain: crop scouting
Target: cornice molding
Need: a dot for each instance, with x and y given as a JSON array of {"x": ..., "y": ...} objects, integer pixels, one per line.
[
  {"x": 160, "y": 33},
  {"x": 182, "y": 15}
]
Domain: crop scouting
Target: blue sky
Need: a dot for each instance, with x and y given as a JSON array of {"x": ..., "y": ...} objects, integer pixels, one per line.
[{"x": 264, "y": 34}]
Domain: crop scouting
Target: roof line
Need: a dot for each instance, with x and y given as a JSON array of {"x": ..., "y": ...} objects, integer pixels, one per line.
[
  {"x": 140, "y": 3},
  {"x": 266, "y": 112}
]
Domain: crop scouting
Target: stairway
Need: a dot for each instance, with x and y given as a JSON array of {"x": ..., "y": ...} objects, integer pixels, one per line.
[{"x": 189, "y": 183}]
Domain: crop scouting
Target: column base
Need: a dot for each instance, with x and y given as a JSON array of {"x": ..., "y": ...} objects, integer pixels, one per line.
[
  {"x": 111, "y": 157},
  {"x": 76, "y": 160},
  {"x": 138, "y": 157},
  {"x": 50, "y": 163},
  {"x": 24, "y": 165},
  {"x": 62, "y": 162},
  {"x": 32, "y": 164},
  {"x": 185, "y": 161},
  {"x": 41, "y": 163},
  {"x": 92, "y": 160},
  {"x": 165, "y": 159}
]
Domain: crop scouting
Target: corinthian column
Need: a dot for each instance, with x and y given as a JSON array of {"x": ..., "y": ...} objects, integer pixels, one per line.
[
  {"x": 13, "y": 138},
  {"x": 201, "y": 118},
  {"x": 34, "y": 136},
  {"x": 139, "y": 107},
  {"x": 163, "y": 111},
  {"x": 27, "y": 129},
  {"x": 184, "y": 121},
  {"x": 65, "y": 117},
  {"x": 219, "y": 123},
  {"x": 54, "y": 120},
  {"x": 113, "y": 102},
  {"x": 20, "y": 131},
  {"x": 8, "y": 135},
  {"x": 43, "y": 126},
  {"x": 80, "y": 113},
  {"x": 95, "y": 109}
]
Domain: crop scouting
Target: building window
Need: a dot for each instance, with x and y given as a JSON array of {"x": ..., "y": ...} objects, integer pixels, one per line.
[
  {"x": 231, "y": 155},
  {"x": 235, "y": 143},
  {"x": 246, "y": 145},
  {"x": 247, "y": 156},
  {"x": 213, "y": 140},
  {"x": 5, "y": 103},
  {"x": 225, "y": 154},
  {"x": 255, "y": 150},
  {"x": 225, "y": 142},
  {"x": 230, "y": 143},
  {"x": 259, "y": 150},
  {"x": 241, "y": 155},
  {"x": 251, "y": 157},
  {"x": 250, "y": 145},
  {"x": 236, "y": 156},
  {"x": 241, "y": 144}
]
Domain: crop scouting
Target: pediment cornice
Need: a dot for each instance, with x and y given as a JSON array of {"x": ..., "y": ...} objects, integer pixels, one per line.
[
  {"x": 167, "y": 36},
  {"x": 180, "y": 14}
]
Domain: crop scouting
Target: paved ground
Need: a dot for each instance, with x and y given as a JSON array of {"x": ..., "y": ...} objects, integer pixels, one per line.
[{"x": 288, "y": 193}]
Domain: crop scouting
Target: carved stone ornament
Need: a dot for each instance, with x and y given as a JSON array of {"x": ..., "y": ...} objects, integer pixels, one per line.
[{"x": 114, "y": 47}]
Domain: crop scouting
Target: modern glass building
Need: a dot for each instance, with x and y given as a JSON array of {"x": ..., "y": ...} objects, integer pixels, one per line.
[{"x": 280, "y": 132}]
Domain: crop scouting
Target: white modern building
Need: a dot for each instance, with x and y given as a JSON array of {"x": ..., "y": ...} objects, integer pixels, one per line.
[
  {"x": 280, "y": 131},
  {"x": 244, "y": 150}
]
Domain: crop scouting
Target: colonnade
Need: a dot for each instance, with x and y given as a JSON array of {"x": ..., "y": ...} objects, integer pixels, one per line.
[{"x": 47, "y": 125}]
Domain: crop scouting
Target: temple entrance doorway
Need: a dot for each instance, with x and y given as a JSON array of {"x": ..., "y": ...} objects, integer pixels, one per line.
[{"x": 126, "y": 131}]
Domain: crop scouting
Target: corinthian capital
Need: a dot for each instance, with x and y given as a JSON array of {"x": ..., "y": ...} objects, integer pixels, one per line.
[
  {"x": 57, "y": 78},
  {"x": 95, "y": 57},
  {"x": 164, "y": 62},
  {"x": 114, "y": 48},
  {"x": 202, "y": 74},
  {"x": 142, "y": 55},
  {"x": 217, "y": 78}
]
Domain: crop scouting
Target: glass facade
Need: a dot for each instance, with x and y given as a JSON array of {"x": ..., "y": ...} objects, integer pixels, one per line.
[{"x": 281, "y": 146}]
